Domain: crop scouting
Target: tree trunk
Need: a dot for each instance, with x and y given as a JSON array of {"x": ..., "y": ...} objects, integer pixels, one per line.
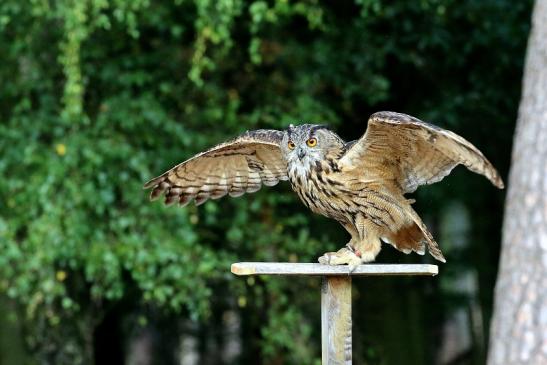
[{"x": 519, "y": 326}]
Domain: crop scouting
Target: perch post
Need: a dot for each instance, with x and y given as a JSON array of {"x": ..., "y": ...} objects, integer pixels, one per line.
[{"x": 335, "y": 296}]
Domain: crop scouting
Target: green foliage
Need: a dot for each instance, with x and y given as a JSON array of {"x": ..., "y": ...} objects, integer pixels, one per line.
[{"x": 98, "y": 96}]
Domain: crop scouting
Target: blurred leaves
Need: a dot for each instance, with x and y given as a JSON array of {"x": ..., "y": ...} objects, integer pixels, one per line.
[{"x": 99, "y": 96}]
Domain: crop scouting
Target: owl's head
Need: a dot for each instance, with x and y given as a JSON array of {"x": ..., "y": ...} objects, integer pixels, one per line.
[{"x": 305, "y": 144}]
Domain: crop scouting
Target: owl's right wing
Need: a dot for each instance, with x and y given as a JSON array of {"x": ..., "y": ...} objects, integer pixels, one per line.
[
  {"x": 409, "y": 152},
  {"x": 234, "y": 167}
]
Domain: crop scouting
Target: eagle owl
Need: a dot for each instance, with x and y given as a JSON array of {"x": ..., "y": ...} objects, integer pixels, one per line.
[{"x": 361, "y": 184}]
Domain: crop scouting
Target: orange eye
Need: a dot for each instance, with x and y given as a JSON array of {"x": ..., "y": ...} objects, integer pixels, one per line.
[
  {"x": 312, "y": 142},
  {"x": 291, "y": 145}
]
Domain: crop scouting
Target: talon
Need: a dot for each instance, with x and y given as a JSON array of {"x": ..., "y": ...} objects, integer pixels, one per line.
[
  {"x": 341, "y": 257},
  {"x": 324, "y": 259}
]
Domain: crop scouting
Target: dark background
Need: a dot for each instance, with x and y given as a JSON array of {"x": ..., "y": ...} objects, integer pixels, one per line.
[{"x": 97, "y": 97}]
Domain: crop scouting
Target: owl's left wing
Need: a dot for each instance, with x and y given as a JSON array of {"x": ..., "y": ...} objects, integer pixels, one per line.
[
  {"x": 234, "y": 167},
  {"x": 410, "y": 153}
]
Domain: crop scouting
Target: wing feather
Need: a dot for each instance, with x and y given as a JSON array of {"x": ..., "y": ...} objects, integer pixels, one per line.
[
  {"x": 234, "y": 168},
  {"x": 411, "y": 153}
]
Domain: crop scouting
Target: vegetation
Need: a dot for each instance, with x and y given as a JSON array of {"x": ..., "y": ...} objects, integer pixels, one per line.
[{"x": 97, "y": 97}]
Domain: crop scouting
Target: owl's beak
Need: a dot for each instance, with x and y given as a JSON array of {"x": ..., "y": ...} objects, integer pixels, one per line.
[{"x": 301, "y": 153}]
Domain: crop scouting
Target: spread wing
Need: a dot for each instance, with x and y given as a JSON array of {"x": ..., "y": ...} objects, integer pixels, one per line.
[
  {"x": 234, "y": 167},
  {"x": 411, "y": 153}
]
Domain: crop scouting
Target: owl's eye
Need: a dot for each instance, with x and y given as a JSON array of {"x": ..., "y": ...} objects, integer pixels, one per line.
[
  {"x": 291, "y": 145},
  {"x": 312, "y": 142}
]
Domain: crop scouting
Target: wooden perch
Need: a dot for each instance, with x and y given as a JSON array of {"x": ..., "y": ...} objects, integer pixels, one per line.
[
  {"x": 335, "y": 296},
  {"x": 288, "y": 268}
]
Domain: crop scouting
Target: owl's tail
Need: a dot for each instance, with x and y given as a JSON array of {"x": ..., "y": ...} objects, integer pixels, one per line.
[
  {"x": 432, "y": 245},
  {"x": 414, "y": 236}
]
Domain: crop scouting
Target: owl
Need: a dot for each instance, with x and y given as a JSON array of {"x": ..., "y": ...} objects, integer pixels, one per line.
[{"x": 361, "y": 184}]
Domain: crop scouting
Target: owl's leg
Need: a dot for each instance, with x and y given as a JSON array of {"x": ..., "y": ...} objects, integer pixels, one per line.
[
  {"x": 341, "y": 257},
  {"x": 345, "y": 255},
  {"x": 368, "y": 245},
  {"x": 367, "y": 250},
  {"x": 364, "y": 246}
]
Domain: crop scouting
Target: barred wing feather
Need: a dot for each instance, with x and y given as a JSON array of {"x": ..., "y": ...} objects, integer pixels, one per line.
[
  {"x": 235, "y": 167},
  {"x": 399, "y": 148}
]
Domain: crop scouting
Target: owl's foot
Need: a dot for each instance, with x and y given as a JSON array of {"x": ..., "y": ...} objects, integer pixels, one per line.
[{"x": 343, "y": 256}]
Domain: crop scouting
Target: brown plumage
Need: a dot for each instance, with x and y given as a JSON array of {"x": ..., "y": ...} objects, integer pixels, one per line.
[
  {"x": 361, "y": 184},
  {"x": 235, "y": 167}
]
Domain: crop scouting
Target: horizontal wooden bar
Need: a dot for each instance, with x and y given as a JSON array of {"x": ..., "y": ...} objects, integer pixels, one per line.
[{"x": 315, "y": 269}]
